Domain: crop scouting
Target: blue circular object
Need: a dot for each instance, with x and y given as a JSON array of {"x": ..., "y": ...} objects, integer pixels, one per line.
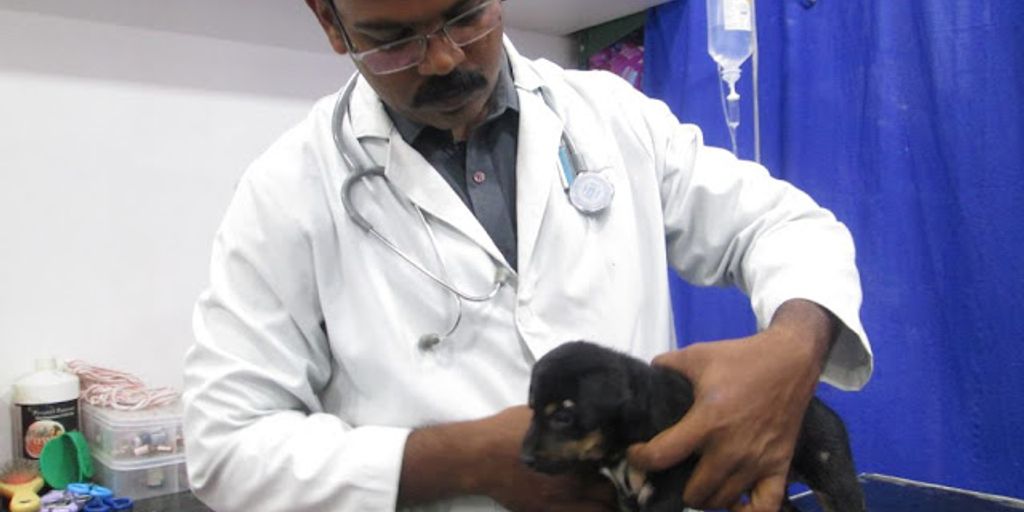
[
  {"x": 97, "y": 506},
  {"x": 119, "y": 504}
]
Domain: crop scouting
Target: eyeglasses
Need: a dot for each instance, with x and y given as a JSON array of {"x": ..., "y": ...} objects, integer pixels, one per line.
[{"x": 462, "y": 30}]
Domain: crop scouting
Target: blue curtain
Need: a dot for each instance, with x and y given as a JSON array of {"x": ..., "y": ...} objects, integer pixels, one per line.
[{"x": 905, "y": 118}]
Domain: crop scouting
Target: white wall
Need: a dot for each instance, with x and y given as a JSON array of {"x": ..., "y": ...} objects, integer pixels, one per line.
[{"x": 119, "y": 150}]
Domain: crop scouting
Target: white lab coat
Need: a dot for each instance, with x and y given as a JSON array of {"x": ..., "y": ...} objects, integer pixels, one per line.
[{"x": 306, "y": 377}]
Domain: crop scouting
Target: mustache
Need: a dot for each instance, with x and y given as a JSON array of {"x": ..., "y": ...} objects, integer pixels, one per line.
[{"x": 454, "y": 84}]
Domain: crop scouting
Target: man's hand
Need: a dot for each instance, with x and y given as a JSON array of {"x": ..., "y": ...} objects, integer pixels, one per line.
[
  {"x": 482, "y": 458},
  {"x": 750, "y": 398}
]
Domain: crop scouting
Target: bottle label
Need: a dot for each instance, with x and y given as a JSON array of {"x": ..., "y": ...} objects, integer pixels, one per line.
[
  {"x": 737, "y": 15},
  {"x": 42, "y": 422}
]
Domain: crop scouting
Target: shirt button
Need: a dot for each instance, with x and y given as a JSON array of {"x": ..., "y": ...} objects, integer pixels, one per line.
[{"x": 479, "y": 177}]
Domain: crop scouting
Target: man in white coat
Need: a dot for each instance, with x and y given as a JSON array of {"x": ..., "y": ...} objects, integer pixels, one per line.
[{"x": 329, "y": 373}]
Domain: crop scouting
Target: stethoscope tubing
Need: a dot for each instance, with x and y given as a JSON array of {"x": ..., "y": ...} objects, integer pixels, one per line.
[
  {"x": 352, "y": 149},
  {"x": 362, "y": 166}
]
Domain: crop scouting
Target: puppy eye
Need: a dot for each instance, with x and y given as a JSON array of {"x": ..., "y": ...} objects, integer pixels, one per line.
[{"x": 561, "y": 418}]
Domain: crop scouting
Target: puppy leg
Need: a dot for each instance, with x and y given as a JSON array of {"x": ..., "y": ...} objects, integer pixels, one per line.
[{"x": 824, "y": 462}]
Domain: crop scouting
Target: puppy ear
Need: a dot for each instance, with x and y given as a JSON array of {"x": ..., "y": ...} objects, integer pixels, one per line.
[
  {"x": 607, "y": 387},
  {"x": 636, "y": 422}
]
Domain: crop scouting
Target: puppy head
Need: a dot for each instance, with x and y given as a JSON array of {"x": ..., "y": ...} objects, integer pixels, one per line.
[{"x": 578, "y": 393}]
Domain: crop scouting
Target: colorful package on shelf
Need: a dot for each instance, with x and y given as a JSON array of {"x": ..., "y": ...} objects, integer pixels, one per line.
[{"x": 625, "y": 58}]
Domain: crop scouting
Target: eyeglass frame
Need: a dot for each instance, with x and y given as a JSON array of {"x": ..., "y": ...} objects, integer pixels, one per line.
[{"x": 422, "y": 38}]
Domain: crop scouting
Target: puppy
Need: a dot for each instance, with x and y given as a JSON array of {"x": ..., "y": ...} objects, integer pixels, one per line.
[{"x": 590, "y": 403}]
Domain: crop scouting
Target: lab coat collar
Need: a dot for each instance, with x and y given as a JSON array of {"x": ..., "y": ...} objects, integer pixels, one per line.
[
  {"x": 537, "y": 174},
  {"x": 368, "y": 116},
  {"x": 526, "y": 78},
  {"x": 409, "y": 171},
  {"x": 424, "y": 186}
]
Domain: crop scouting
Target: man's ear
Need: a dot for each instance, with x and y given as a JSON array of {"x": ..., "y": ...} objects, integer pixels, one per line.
[{"x": 328, "y": 23}]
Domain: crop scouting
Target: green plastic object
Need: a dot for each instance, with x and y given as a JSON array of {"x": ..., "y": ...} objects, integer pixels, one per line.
[{"x": 65, "y": 459}]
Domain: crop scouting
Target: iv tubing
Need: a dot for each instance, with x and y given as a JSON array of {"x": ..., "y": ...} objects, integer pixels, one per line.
[
  {"x": 757, "y": 94},
  {"x": 725, "y": 113}
]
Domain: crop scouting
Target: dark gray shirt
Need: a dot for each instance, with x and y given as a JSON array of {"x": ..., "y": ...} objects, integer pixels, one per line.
[{"x": 481, "y": 170}]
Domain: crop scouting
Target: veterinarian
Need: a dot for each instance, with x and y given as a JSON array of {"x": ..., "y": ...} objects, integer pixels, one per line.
[{"x": 391, "y": 267}]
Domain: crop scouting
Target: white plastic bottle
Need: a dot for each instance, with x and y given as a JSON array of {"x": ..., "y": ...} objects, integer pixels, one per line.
[{"x": 46, "y": 406}]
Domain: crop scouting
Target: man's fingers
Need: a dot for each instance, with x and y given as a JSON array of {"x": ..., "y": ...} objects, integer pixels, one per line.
[
  {"x": 729, "y": 492},
  {"x": 713, "y": 472},
  {"x": 766, "y": 496},
  {"x": 671, "y": 446},
  {"x": 687, "y": 360}
]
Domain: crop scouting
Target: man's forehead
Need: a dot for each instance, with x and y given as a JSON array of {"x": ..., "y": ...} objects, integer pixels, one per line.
[{"x": 399, "y": 11}]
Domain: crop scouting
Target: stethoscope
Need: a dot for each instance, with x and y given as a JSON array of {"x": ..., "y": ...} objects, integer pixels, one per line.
[{"x": 589, "y": 192}]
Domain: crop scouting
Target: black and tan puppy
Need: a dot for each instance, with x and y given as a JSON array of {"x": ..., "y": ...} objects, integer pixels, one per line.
[{"x": 590, "y": 403}]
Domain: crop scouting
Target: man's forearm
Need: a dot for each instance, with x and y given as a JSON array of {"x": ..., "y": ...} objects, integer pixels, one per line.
[
  {"x": 481, "y": 458},
  {"x": 478, "y": 457},
  {"x": 443, "y": 461}
]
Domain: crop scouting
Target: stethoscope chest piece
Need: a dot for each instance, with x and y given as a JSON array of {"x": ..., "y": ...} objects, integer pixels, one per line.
[
  {"x": 428, "y": 341},
  {"x": 591, "y": 192}
]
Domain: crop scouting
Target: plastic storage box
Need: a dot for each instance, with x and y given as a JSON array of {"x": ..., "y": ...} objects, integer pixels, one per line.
[
  {"x": 139, "y": 454},
  {"x": 129, "y": 436},
  {"x": 140, "y": 479}
]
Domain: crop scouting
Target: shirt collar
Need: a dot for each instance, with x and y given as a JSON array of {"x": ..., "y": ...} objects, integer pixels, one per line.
[{"x": 503, "y": 98}]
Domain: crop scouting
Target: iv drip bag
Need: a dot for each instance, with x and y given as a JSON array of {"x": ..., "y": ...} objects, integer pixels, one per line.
[
  {"x": 730, "y": 32},
  {"x": 730, "y": 44}
]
